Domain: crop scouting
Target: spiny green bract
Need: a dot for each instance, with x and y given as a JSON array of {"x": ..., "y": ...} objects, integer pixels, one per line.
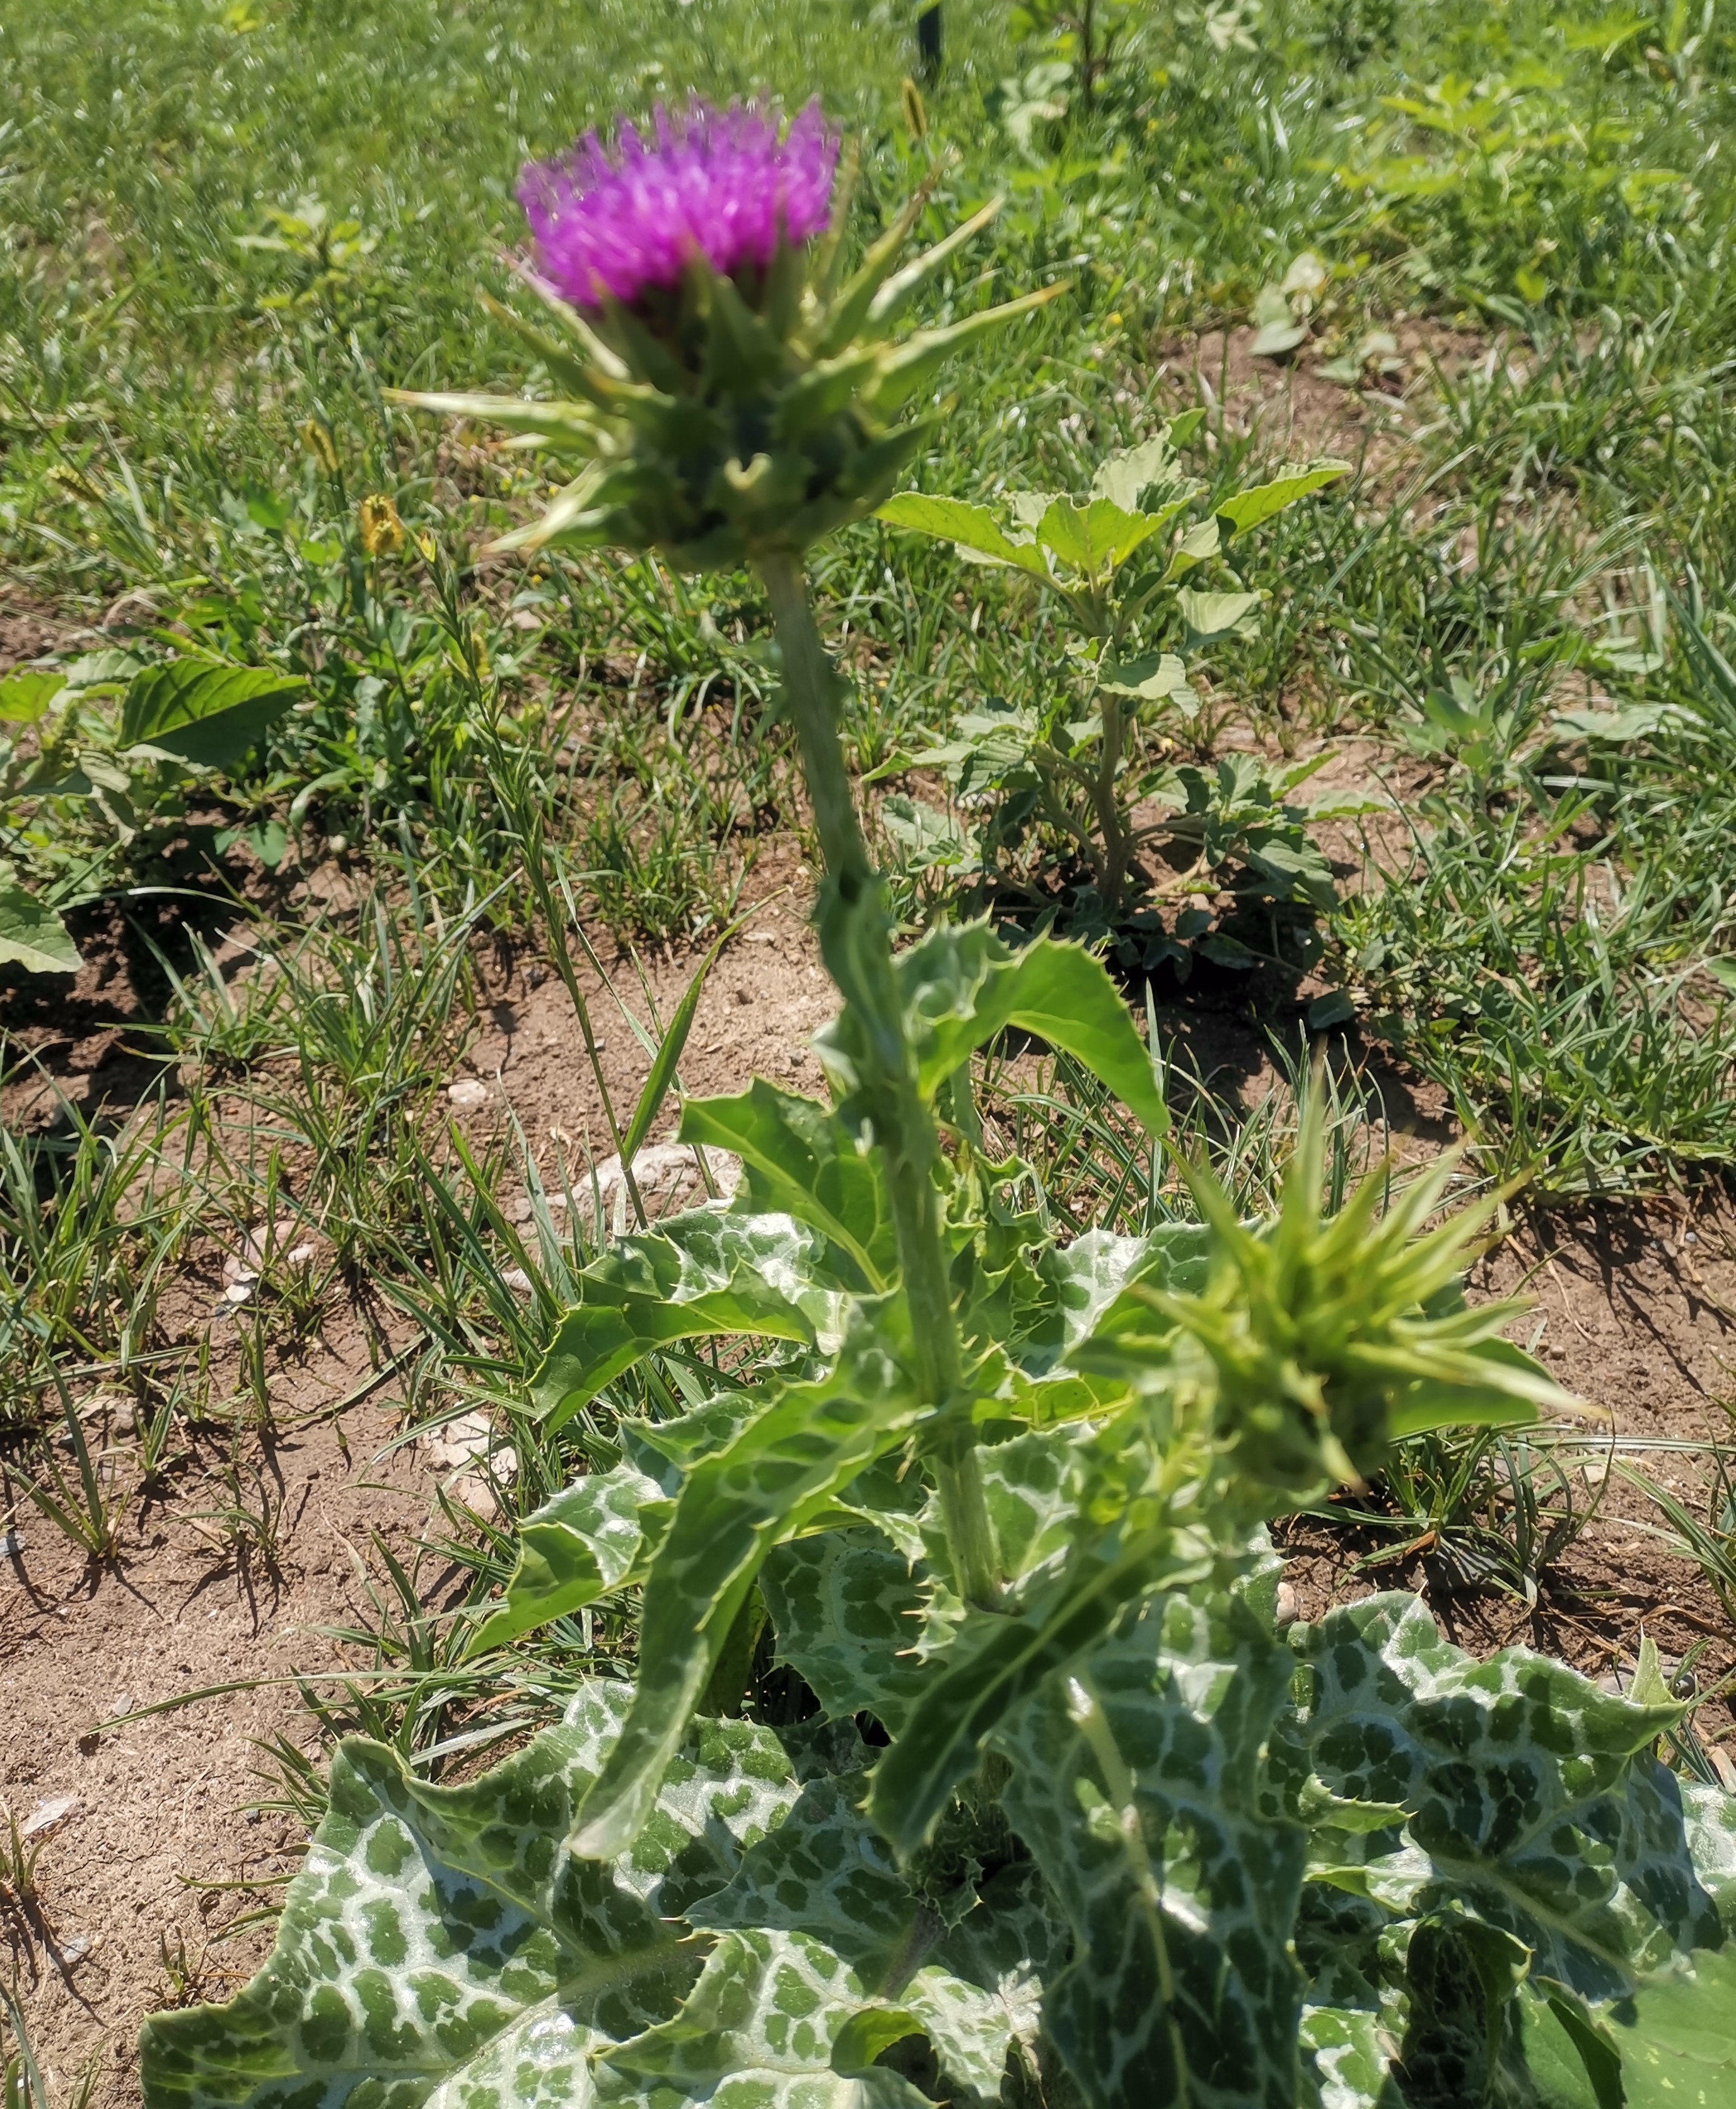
[{"x": 1323, "y": 1339}]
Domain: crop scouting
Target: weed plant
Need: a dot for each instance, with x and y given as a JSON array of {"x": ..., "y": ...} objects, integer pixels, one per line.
[
  {"x": 1038, "y": 1797},
  {"x": 228, "y": 231}
]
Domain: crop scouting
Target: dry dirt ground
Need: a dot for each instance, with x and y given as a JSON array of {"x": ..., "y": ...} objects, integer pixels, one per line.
[{"x": 147, "y": 1850}]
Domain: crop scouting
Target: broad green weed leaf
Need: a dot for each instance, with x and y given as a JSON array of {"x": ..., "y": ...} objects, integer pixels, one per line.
[
  {"x": 691, "y": 1278},
  {"x": 439, "y": 1936},
  {"x": 1536, "y": 1804},
  {"x": 1211, "y": 615},
  {"x": 972, "y": 527},
  {"x": 1196, "y": 547},
  {"x": 575, "y": 1548},
  {"x": 1502, "y": 1403},
  {"x": 23, "y": 698},
  {"x": 1250, "y": 509},
  {"x": 1124, "y": 478},
  {"x": 1094, "y": 537},
  {"x": 32, "y": 936},
  {"x": 735, "y": 1505},
  {"x": 1138, "y": 1782},
  {"x": 1273, "y": 339},
  {"x": 846, "y": 1611},
  {"x": 102, "y": 673},
  {"x": 962, "y": 985},
  {"x": 1159, "y": 679},
  {"x": 798, "y": 1158},
  {"x": 1297, "y": 870},
  {"x": 989, "y": 746},
  {"x": 207, "y": 715},
  {"x": 1680, "y": 2050}
]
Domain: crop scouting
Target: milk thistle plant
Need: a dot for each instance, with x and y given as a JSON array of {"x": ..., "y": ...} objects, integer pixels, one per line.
[{"x": 1056, "y": 1813}]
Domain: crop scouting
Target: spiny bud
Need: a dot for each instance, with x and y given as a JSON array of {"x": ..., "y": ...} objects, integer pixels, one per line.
[{"x": 1318, "y": 1341}]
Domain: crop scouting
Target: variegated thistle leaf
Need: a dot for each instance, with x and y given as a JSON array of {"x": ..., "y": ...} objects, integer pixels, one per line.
[
  {"x": 439, "y": 1946},
  {"x": 1045, "y": 1305},
  {"x": 961, "y": 1957},
  {"x": 777, "y": 2021},
  {"x": 1079, "y": 1544},
  {"x": 1137, "y": 1780},
  {"x": 845, "y": 1608},
  {"x": 1509, "y": 1802},
  {"x": 799, "y": 1159},
  {"x": 735, "y": 1505},
  {"x": 1535, "y": 1804},
  {"x": 698, "y": 1274},
  {"x": 588, "y": 1540}
]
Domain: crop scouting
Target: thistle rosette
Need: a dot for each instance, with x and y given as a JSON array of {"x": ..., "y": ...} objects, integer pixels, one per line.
[{"x": 734, "y": 394}]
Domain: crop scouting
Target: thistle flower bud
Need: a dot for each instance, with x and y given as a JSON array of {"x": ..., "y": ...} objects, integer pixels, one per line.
[
  {"x": 733, "y": 394},
  {"x": 1319, "y": 1341}
]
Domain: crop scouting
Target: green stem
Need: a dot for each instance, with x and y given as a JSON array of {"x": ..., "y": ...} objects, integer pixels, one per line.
[
  {"x": 1116, "y": 847},
  {"x": 860, "y": 959}
]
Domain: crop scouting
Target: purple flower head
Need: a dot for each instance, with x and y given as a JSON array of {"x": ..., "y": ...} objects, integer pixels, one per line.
[{"x": 719, "y": 183}]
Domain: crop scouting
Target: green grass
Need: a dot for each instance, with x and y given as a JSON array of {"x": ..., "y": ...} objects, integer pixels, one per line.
[{"x": 230, "y": 227}]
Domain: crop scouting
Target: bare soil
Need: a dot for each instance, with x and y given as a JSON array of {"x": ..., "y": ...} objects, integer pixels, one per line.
[
  {"x": 1298, "y": 415},
  {"x": 156, "y": 1856}
]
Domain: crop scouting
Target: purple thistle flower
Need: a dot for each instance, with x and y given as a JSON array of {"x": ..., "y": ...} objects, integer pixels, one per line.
[{"x": 719, "y": 183}]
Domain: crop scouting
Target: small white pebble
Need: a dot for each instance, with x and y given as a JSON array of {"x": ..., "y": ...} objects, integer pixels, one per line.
[
  {"x": 47, "y": 1814},
  {"x": 467, "y": 1093}
]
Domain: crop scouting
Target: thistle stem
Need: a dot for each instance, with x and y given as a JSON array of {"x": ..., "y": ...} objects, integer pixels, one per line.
[{"x": 858, "y": 945}]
